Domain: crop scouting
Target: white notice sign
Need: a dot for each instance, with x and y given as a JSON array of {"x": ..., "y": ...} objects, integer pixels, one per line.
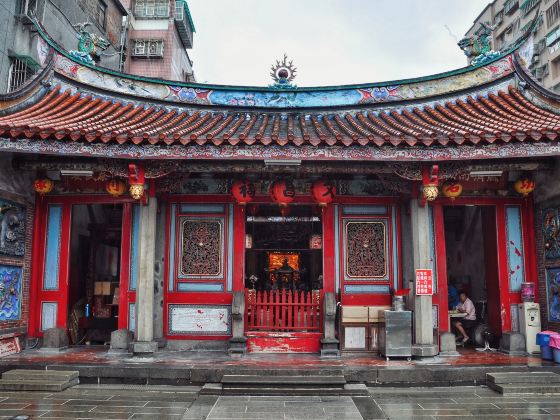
[{"x": 199, "y": 319}]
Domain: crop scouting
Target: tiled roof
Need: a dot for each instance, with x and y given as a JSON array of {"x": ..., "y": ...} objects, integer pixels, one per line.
[{"x": 61, "y": 115}]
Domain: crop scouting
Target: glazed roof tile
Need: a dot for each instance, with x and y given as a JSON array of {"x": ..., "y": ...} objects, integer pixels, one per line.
[{"x": 63, "y": 115}]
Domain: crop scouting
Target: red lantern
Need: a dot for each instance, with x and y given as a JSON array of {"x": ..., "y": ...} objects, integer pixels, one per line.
[
  {"x": 285, "y": 210},
  {"x": 524, "y": 186},
  {"x": 253, "y": 209},
  {"x": 115, "y": 187},
  {"x": 243, "y": 192},
  {"x": 323, "y": 192},
  {"x": 43, "y": 185},
  {"x": 282, "y": 192},
  {"x": 452, "y": 189}
]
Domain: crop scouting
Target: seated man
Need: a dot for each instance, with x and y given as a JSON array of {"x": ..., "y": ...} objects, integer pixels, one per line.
[{"x": 467, "y": 307}]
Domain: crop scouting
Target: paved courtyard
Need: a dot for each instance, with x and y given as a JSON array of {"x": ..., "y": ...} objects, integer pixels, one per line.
[{"x": 166, "y": 402}]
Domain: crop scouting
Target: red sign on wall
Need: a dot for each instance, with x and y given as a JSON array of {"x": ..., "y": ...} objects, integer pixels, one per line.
[{"x": 424, "y": 282}]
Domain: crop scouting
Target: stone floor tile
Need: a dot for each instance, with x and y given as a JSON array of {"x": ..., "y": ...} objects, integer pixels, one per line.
[
  {"x": 137, "y": 416},
  {"x": 107, "y": 403},
  {"x": 521, "y": 411},
  {"x": 437, "y": 406},
  {"x": 72, "y": 415}
]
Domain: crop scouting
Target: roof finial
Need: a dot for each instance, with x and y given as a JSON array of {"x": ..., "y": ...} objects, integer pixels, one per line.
[{"x": 283, "y": 72}]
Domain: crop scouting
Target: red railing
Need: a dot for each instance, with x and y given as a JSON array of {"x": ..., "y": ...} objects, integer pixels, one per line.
[{"x": 283, "y": 311}]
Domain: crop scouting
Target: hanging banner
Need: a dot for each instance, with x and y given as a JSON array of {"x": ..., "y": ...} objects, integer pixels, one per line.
[{"x": 424, "y": 282}]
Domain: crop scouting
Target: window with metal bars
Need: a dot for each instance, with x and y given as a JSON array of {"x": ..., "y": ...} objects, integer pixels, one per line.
[
  {"x": 151, "y": 8},
  {"x": 527, "y": 6},
  {"x": 552, "y": 14},
  {"x": 147, "y": 48},
  {"x": 510, "y": 6},
  {"x": 19, "y": 74},
  {"x": 100, "y": 13}
]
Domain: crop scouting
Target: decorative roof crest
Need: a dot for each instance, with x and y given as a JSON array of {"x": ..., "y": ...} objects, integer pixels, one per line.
[{"x": 283, "y": 73}]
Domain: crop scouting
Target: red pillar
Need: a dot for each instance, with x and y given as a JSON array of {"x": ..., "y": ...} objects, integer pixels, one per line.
[
  {"x": 328, "y": 250},
  {"x": 238, "y": 248}
]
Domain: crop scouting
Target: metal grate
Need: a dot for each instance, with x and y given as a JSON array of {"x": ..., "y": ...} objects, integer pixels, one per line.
[{"x": 19, "y": 74}]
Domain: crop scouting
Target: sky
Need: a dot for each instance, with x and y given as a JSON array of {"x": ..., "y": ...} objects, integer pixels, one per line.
[{"x": 331, "y": 42}]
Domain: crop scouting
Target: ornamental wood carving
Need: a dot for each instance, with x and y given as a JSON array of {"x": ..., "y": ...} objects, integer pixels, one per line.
[
  {"x": 202, "y": 241},
  {"x": 366, "y": 250}
]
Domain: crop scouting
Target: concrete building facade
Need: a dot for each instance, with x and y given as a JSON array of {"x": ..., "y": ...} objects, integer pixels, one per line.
[
  {"x": 144, "y": 37},
  {"x": 511, "y": 20}
]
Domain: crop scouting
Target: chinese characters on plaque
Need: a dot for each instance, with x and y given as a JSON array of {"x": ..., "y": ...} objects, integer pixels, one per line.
[{"x": 424, "y": 282}]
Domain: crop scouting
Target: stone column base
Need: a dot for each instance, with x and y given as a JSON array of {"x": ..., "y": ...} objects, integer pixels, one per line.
[
  {"x": 237, "y": 346},
  {"x": 55, "y": 340},
  {"x": 513, "y": 343},
  {"x": 424, "y": 350},
  {"x": 329, "y": 347},
  {"x": 144, "y": 348},
  {"x": 447, "y": 346}
]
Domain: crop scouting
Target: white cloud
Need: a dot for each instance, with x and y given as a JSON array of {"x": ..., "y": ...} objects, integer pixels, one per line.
[{"x": 331, "y": 41}]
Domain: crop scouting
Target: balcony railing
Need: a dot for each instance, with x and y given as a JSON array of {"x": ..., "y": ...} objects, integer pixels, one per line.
[{"x": 184, "y": 23}]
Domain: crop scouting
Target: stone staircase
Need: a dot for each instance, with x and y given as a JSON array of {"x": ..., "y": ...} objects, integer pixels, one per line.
[
  {"x": 524, "y": 382},
  {"x": 288, "y": 385},
  {"x": 38, "y": 380}
]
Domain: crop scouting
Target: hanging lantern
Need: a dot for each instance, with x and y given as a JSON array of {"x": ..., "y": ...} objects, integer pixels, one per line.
[
  {"x": 136, "y": 181},
  {"x": 115, "y": 187},
  {"x": 253, "y": 209},
  {"x": 524, "y": 186},
  {"x": 43, "y": 185},
  {"x": 243, "y": 192},
  {"x": 285, "y": 210},
  {"x": 430, "y": 192},
  {"x": 316, "y": 241},
  {"x": 323, "y": 192},
  {"x": 282, "y": 192},
  {"x": 248, "y": 241},
  {"x": 452, "y": 189}
]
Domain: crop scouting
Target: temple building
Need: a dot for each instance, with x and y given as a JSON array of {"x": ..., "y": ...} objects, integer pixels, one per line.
[{"x": 265, "y": 219}]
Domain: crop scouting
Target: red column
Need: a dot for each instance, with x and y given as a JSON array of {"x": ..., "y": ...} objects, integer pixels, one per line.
[
  {"x": 328, "y": 250},
  {"x": 441, "y": 268},
  {"x": 238, "y": 247},
  {"x": 503, "y": 274},
  {"x": 36, "y": 268}
]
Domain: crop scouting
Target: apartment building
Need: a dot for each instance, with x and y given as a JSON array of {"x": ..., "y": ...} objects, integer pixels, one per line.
[
  {"x": 511, "y": 20},
  {"x": 144, "y": 37}
]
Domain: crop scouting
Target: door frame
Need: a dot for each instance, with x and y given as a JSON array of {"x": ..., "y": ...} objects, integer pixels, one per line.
[
  {"x": 39, "y": 253},
  {"x": 507, "y": 298}
]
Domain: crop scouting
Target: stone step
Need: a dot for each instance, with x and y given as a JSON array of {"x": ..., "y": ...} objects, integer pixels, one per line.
[
  {"x": 260, "y": 381},
  {"x": 293, "y": 391},
  {"x": 522, "y": 378},
  {"x": 36, "y": 385},
  {"x": 525, "y": 389},
  {"x": 44, "y": 375}
]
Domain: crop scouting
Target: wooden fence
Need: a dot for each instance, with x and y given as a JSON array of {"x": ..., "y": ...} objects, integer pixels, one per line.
[{"x": 283, "y": 311}]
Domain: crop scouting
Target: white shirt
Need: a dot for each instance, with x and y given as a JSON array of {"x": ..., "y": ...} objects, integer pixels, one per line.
[{"x": 468, "y": 308}]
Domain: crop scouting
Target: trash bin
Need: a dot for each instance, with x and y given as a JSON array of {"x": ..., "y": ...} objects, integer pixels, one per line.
[
  {"x": 554, "y": 343},
  {"x": 543, "y": 340}
]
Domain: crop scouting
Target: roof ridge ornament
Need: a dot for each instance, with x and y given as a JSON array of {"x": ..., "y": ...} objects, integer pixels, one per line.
[
  {"x": 478, "y": 47},
  {"x": 89, "y": 44},
  {"x": 283, "y": 73}
]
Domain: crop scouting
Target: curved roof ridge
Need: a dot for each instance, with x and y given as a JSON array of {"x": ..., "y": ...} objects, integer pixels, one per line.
[{"x": 388, "y": 83}]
